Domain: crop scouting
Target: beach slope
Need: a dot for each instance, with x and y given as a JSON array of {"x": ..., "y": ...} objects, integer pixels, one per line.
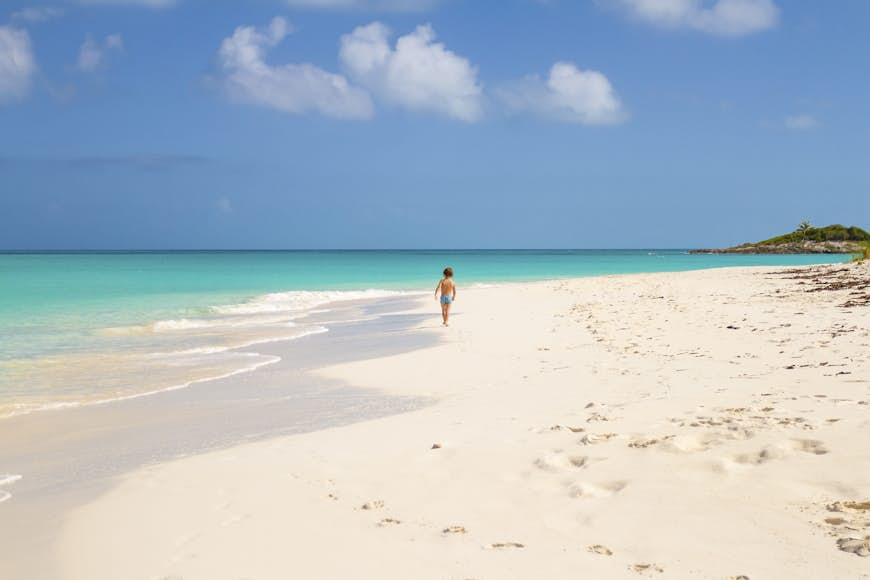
[{"x": 709, "y": 424}]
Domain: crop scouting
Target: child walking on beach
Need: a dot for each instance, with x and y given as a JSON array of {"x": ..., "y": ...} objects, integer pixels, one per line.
[{"x": 447, "y": 288}]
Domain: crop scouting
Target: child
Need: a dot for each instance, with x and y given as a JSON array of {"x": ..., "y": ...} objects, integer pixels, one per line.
[{"x": 447, "y": 288}]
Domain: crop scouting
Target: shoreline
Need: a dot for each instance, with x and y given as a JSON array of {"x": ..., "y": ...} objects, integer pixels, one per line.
[
  {"x": 244, "y": 325},
  {"x": 596, "y": 397},
  {"x": 285, "y": 304},
  {"x": 373, "y": 372},
  {"x": 70, "y": 456},
  {"x": 66, "y": 352}
]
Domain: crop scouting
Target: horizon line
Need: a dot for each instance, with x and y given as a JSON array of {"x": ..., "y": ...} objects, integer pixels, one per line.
[{"x": 192, "y": 250}]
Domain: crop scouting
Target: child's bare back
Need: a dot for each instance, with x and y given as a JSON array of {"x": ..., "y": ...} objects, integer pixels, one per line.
[{"x": 447, "y": 288}]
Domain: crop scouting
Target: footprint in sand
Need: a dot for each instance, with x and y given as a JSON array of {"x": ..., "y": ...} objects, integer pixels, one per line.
[
  {"x": 453, "y": 530},
  {"x": 810, "y": 446},
  {"x": 593, "y": 490},
  {"x": 505, "y": 545},
  {"x": 234, "y": 520},
  {"x": 558, "y": 461},
  {"x": 761, "y": 457},
  {"x": 646, "y": 568},
  {"x": 599, "y": 549},
  {"x": 842, "y": 506},
  {"x": 567, "y": 428},
  {"x": 186, "y": 539},
  {"x": 851, "y": 518},
  {"x": 692, "y": 443},
  {"x": 781, "y": 451},
  {"x": 644, "y": 443},
  {"x": 388, "y": 522},
  {"x": 857, "y": 546},
  {"x": 595, "y": 439},
  {"x": 373, "y": 505}
]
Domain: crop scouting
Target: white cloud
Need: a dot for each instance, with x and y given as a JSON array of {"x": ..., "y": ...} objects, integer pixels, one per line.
[
  {"x": 90, "y": 56},
  {"x": 93, "y": 55},
  {"x": 292, "y": 88},
  {"x": 224, "y": 205},
  {"x": 568, "y": 94},
  {"x": 37, "y": 13},
  {"x": 801, "y": 122},
  {"x": 115, "y": 42},
  {"x": 146, "y": 3},
  {"x": 418, "y": 74},
  {"x": 382, "y": 5},
  {"x": 17, "y": 64},
  {"x": 719, "y": 17}
]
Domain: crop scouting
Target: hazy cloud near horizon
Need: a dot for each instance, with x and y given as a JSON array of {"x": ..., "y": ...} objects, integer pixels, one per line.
[
  {"x": 17, "y": 64},
  {"x": 94, "y": 55},
  {"x": 36, "y": 14},
  {"x": 719, "y": 17},
  {"x": 801, "y": 122},
  {"x": 381, "y": 5}
]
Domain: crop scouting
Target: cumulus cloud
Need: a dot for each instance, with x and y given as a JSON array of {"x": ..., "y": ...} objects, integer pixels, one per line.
[
  {"x": 801, "y": 122},
  {"x": 17, "y": 64},
  {"x": 36, "y": 14},
  {"x": 418, "y": 73},
  {"x": 719, "y": 17},
  {"x": 94, "y": 55},
  {"x": 568, "y": 94},
  {"x": 293, "y": 88}
]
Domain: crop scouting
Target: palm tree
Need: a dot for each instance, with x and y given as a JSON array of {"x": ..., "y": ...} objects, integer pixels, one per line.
[{"x": 804, "y": 226}]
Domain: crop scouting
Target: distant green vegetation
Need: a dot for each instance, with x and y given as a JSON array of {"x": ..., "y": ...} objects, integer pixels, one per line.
[
  {"x": 807, "y": 239},
  {"x": 808, "y": 233}
]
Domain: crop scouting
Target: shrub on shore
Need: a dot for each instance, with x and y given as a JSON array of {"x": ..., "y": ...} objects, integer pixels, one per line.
[{"x": 832, "y": 233}]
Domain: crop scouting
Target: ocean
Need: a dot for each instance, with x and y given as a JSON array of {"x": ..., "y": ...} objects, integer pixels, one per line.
[{"x": 90, "y": 327}]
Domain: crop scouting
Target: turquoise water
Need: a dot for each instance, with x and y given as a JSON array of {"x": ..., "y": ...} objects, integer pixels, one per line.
[{"x": 88, "y": 326}]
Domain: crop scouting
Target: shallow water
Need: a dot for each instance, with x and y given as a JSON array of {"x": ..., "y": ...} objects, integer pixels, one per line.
[
  {"x": 81, "y": 328},
  {"x": 67, "y": 458}
]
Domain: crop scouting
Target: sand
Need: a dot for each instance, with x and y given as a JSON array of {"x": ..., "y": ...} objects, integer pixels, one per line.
[{"x": 709, "y": 424}]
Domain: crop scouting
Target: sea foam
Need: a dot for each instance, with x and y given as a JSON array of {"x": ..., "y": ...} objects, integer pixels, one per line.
[
  {"x": 7, "y": 479},
  {"x": 211, "y": 340},
  {"x": 301, "y": 300}
]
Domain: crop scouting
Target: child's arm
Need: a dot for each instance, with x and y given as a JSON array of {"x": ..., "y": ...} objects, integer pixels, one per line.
[
  {"x": 454, "y": 290},
  {"x": 437, "y": 288}
]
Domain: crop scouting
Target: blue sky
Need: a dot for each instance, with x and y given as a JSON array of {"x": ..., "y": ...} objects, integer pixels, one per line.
[{"x": 430, "y": 123}]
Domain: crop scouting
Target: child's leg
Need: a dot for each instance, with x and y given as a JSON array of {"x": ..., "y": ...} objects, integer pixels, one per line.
[
  {"x": 444, "y": 308},
  {"x": 447, "y": 313}
]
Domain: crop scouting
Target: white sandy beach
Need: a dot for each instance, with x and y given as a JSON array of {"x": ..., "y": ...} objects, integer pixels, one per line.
[{"x": 710, "y": 424}]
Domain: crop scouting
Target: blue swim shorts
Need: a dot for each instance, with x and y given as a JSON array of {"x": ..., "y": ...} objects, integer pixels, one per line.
[{"x": 446, "y": 299}]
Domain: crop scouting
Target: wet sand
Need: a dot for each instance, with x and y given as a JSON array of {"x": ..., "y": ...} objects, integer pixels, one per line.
[{"x": 68, "y": 457}]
